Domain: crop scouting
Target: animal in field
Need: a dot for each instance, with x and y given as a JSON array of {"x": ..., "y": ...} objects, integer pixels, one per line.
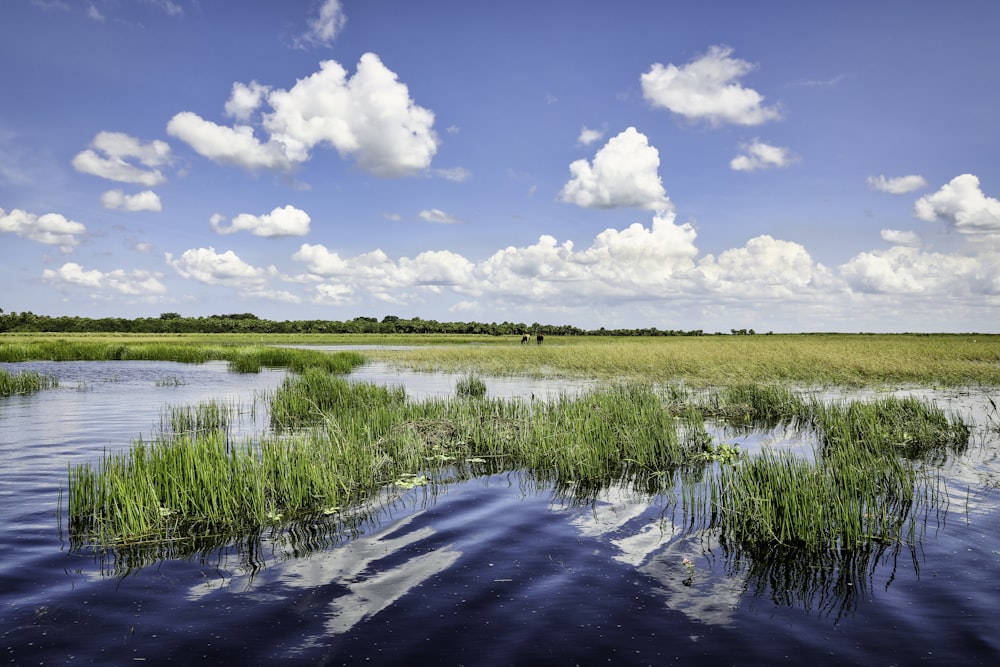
[
  {"x": 539, "y": 338},
  {"x": 524, "y": 339}
]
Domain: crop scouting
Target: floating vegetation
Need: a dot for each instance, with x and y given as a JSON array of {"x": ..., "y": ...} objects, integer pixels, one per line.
[{"x": 25, "y": 382}]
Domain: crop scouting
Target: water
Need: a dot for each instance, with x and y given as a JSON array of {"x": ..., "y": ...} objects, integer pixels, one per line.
[{"x": 498, "y": 570}]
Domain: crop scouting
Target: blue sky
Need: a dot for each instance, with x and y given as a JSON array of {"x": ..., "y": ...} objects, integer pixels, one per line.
[{"x": 782, "y": 166}]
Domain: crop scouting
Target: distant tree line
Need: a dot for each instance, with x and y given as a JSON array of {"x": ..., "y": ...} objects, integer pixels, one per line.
[{"x": 28, "y": 322}]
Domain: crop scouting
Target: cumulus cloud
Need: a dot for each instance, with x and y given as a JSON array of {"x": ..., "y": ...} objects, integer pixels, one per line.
[
  {"x": 764, "y": 267},
  {"x": 438, "y": 216},
  {"x": 898, "y": 237},
  {"x": 208, "y": 266},
  {"x": 963, "y": 204},
  {"x": 758, "y": 155},
  {"x": 708, "y": 88},
  {"x": 907, "y": 270},
  {"x": 146, "y": 200},
  {"x": 287, "y": 221},
  {"x": 899, "y": 185},
  {"x": 624, "y": 174},
  {"x": 374, "y": 273},
  {"x": 112, "y": 155},
  {"x": 50, "y": 228},
  {"x": 245, "y": 99},
  {"x": 325, "y": 27},
  {"x": 227, "y": 145},
  {"x": 589, "y": 136},
  {"x": 368, "y": 116},
  {"x": 132, "y": 283},
  {"x": 226, "y": 269}
]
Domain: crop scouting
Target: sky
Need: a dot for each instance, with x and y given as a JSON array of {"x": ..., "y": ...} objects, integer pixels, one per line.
[{"x": 785, "y": 166}]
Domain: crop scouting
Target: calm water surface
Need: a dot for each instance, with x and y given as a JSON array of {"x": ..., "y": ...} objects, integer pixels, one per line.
[{"x": 498, "y": 570}]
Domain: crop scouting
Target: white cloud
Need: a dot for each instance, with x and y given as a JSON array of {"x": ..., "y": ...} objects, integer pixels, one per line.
[
  {"x": 325, "y": 27},
  {"x": 623, "y": 174},
  {"x": 708, "y": 88},
  {"x": 376, "y": 274},
  {"x": 287, "y": 221},
  {"x": 93, "y": 13},
  {"x": 439, "y": 216},
  {"x": 245, "y": 99},
  {"x": 457, "y": 174},
  {"x": 226, "y": 269},
  {"x": 899, "y": 185},
  {"x": 50, "y": 228},
  {"x": 132, "y": 283},
  {"x": 656, "y": 270},
  {"x": 368, "y": 116},
  {"x": 758, "y": 155},
  {"x": 962, "y": 203},
  {"x": 898, "y": 237},
  {"x": 227, "y": 145},
  {"x": 907, "y": 270},
  {"x": 146, "y": 200},
  {"x": 110, "y": 157},
  {"x": 213, "y": 268},
  {"x": 589, "y": 136},
  {"x": 765, "y": 267}
]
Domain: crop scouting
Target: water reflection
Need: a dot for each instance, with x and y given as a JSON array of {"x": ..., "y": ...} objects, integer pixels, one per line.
[{"x": 369, "y": 560}]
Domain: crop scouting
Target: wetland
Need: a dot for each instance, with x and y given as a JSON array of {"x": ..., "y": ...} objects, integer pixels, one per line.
[{"x": 759, "y": 501}]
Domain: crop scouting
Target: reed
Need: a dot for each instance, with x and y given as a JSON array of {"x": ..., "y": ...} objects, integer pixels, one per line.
[
  {"x": 906, "y": 426},
  {"x": 470, "y": 386},
  {"x": 242, "y": 358},
  {"x": 337, "y": 443},
  {"x": 25, "y": 382}
]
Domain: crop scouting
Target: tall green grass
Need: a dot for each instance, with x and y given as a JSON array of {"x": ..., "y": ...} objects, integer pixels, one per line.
[
  {"x": 25, "y": 382},
  {"x": 242, "y": 358},
  {"x": 336, "y": 443}
]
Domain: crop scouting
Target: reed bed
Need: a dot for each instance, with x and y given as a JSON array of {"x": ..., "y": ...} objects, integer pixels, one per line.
[
  {"x": 25, "y": 382},
  {"x": 242, "y": 358},
  {"x": 335, "y": 444},
  {"x": 192, "y": 478},
  {"x": 719, "y": 361}
]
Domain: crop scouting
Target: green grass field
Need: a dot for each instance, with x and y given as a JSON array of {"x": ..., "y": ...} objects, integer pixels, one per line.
[{"x": 803, "y": 359}]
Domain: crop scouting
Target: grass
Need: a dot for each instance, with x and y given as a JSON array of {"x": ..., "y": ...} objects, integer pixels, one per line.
[
  {"x": 26, "y": 382},
  {"x": 242, "y": 358},
  {"x": 337, "y": 444},
  {"x": 698, "y": 361},
  {"x": 716, "y": 361}
]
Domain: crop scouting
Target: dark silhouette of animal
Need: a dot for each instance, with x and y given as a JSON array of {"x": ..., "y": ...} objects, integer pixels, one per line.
[
  {"x": 524, "y": 339},
  {"x": 540, "y": 338}
]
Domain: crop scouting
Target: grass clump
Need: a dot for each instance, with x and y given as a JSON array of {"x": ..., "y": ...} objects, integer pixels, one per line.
[
  {"x": 906, "y": 426},
  {"x": 25, "y": 382},
  {"x": 470, "y": 386}
]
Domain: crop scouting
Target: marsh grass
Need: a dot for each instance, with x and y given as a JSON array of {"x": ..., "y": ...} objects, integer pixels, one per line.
[
  {"x": 242, "y": 358},
  {"x": 25, "y": 382},
  {"x": 721, "y": 361},
  {"x": 335, "y": 444},
  {"x": 470, "y": 386}
]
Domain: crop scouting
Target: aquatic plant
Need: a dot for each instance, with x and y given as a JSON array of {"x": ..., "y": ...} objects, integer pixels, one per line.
[
  {"x": 470, "y": 386},
  {"x": 25, "y": 382}
]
